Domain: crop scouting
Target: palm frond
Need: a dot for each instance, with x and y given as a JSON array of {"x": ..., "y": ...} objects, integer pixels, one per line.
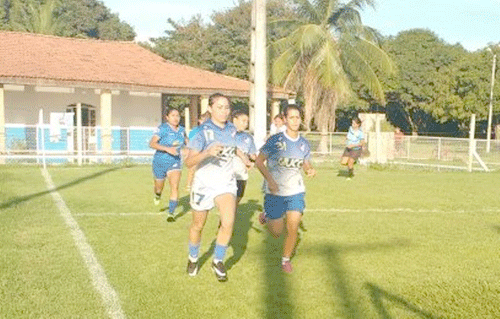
[{"x": 307, "y": 10}]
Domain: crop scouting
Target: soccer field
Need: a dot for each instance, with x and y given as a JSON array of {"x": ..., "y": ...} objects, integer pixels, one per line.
[{"x": 388, "y": 244}]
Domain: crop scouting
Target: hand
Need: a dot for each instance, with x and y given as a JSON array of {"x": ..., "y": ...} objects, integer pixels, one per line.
[
  {"x": 173, "y": 151},
  {"x": 311, "y": 172},
  {"x": 247, "y": 162},
  {"x": 273, "y": 187},
  {"x": 215, "y": 149}
]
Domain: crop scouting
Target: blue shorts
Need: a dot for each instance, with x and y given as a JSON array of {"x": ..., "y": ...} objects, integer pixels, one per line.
[
  {"x": 162, "y": 167},
  {"x": 276, "y": 206}
]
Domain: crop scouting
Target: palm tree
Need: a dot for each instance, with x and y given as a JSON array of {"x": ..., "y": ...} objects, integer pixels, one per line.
[
  {"x": 328, "y": 48},
  {"x": 40, "y": 18}
]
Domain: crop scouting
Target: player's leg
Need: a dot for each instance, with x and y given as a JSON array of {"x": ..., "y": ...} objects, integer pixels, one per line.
[
  {"x": 295, "y": 205},
  {"x": 190, "y": 177},
  {"x": 174, "y": 177},
  {"x": 241, "y": 184},
  {"x": 226, "y": 204},
  {"x": 350, "y": 166},
  {"x": 195, "y": 230},
  {"x": 159, "y": 175}
]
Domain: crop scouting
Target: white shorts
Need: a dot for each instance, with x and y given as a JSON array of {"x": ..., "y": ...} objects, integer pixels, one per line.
[
  {"x": 240, "y": 170},
  {"x": 203, "y": 194}
]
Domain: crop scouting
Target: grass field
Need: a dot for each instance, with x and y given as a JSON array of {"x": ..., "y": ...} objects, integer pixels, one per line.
[{"x": 387, "y": 244}]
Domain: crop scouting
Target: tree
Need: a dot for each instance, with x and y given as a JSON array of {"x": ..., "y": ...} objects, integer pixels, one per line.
[
  {"x": 327, "y": 49},
  {"x": 73, "y": 18},
  {"x": 437, "y": 82}
]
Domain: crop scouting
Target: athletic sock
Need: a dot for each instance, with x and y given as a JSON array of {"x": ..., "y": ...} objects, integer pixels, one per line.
[
  {"x": 285, "y": 259},
  {"x": 219, "y": 252},
  {"x": 194, "y": 250},
  {"x": 172, "y": 204}
]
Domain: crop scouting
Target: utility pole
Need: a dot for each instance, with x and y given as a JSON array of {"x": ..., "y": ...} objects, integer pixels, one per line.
[
  {"x": 260, "y": 84},
  {"x": 490, "y": 111}
]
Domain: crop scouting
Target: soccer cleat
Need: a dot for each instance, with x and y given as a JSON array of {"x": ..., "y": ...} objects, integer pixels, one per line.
[
  {"x": 262, "y": 218},
  {"x": 192, "y": 268},
  {"x": 170, "y": 218},
  {"x": 286, "y": 266},
  {"x": 156, "y": 199},
  {"x": 219, "y": 271}
]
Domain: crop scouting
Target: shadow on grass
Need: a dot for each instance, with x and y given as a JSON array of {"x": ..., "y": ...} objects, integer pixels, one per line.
[
  {"x": 22, "y": 199},
  {"x": 378, "y": 296},
  {"x": 276, "y": 296},
  {"x": 184, "y": 206},
  {"x": 242, "y": 225},
  {"x": 343, "y": 173},
  {"x": 496, "y": 228}
]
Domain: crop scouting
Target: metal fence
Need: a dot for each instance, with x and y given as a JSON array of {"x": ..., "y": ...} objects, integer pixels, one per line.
[{"x": 37, "y": 144}]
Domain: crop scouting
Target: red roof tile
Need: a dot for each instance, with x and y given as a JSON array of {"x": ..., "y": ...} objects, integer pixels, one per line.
[{"x": 28, "y": 58}]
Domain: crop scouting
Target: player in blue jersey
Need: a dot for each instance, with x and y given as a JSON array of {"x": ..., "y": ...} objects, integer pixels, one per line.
[
  {"x": 355, "y": 141},
  {"x": 212, "y": 151},
  {"x": 168, "y": 140},
  {"x": 245, "y": 143},
  {"x": 280, "y": 161}
]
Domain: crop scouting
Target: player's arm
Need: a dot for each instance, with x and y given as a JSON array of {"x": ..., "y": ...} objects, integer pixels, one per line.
[
  {"x": 308, "y": 169},
  {"x": 243, "y": 157},
  {"x": 195, "y": 157},
  {"x": 153, "y": 143},
  {"x": 260, "y": 163}
]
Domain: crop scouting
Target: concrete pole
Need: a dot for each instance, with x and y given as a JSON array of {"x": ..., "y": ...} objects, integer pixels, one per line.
[
  {"x": 106, "y": 104},
  {"x": 275, "y": 108},
  {"x": 194, "y": 105},
  {"x": 490, "y": 111},
  {"x": 251, "y": 99},
  {"x": 2, "y": 121},
  {"x": 260, "y": 73},
  {"x": 187, "y": 124},
  {"x": 79, "y": 133}
]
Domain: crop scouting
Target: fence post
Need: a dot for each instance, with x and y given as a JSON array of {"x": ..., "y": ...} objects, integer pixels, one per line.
[
  {"x": 79, "y": 135},
  {"x": 439, "y": 149},
  {"x": 472, "y": 141},
  {"x": 40, "y": 124},
  {"x": 128, "y": 141}
]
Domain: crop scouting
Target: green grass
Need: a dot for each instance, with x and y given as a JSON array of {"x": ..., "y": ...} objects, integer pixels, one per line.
[{"x": 388, "y": 244}]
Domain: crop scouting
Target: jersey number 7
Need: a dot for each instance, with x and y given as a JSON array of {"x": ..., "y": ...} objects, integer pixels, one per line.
[{"x": 197, "y": 198}]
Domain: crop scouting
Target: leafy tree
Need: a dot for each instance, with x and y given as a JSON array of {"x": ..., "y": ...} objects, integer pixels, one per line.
[
  {"x": 327, "y": 49},
  {"x": 74, "y": 18}
]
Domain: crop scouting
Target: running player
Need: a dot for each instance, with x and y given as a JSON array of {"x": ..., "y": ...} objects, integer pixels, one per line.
[
  {"x": 212, "y": 150},
  {"x": 355, "y": 140},
  {"x": 168, "y": 140},
  {"x": 245, "y": 143},
  {"x": 286, "y": 153},
  {"x": 191, "y": 135}
]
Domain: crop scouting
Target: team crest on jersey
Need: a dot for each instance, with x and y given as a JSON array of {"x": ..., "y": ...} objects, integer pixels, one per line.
[
  {"x": 303, "y": 147},
  {"x": 291, "y": 162}
]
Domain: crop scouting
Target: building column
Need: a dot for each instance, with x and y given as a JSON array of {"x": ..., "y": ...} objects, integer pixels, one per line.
[
  {"x": 204, "y": 103},
  {"x": 194, "y": 106},
  {"x": 275, "y": 108},
  {"x": 187, "y": 124},
  {"x": 2, "y": 122},
  {"x": 79, "y": 135},
  {"x": 106, "y": 104}
]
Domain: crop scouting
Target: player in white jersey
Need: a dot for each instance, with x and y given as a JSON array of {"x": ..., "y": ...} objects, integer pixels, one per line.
[
  {"x": 212, "y": 151},
  {"x": 355, "y": 141},
  {"x": 245, "y": 143},
  {"x": 285, "y": 153}
]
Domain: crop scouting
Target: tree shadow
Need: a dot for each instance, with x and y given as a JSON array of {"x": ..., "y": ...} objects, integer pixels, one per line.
[
  {"x": 242, "y": 225},
  {"x": 343, "y": 173},
  {"x": 276, "y": 296},
  {"x": 22, "y": 199},
  {"x": 378, "y": 295}
]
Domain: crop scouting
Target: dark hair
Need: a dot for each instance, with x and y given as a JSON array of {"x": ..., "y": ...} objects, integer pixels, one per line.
[
  {"x": 169, "y": 110},
  {"x": 357, "y": 120},
  {"x": 292, "y": 107},
  {"x": 215, "y": 96},
  {"x": 279, "y": 116},
  {"x": 238, "y": 113}
]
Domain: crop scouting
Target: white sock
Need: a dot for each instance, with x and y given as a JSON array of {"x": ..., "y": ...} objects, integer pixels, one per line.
[{"x": 285, "y": 259}]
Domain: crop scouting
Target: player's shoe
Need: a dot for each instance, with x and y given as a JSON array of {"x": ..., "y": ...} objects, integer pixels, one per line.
[
  {"x": 262, "y": 218},
  {"x": 170, "y": 217},
  {"x": 192, "y": 268},
  {"x": 219, "y": 271},
  {"x": 286, "y": 266},
  {"x": 156, "y": 199}
]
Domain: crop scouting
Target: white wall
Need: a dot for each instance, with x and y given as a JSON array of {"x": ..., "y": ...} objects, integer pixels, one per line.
[{"x": 21, "y": 107}]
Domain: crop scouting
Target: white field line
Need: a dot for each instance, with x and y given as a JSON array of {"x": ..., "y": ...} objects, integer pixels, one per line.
[
  {"x": 99, "y": 279},
  {"x": 317, "y": 210}
]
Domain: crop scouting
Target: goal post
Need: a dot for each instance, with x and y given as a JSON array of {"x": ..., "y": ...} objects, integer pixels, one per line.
[{"x": 473, "y": 155}]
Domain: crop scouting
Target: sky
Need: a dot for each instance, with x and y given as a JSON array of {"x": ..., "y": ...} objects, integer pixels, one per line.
[{"x": 472, "y": 23}]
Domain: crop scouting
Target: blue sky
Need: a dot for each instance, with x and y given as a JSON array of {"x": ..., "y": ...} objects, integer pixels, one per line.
[{"x": 473, "y": 23}]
